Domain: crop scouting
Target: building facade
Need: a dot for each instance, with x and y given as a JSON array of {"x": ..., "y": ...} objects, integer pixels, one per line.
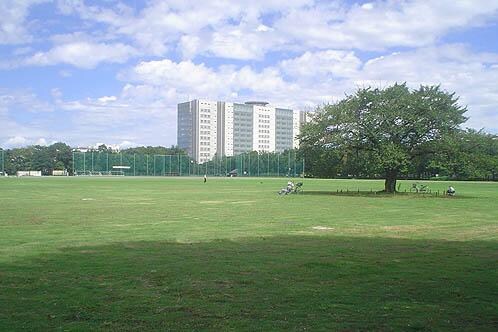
[{"x": 207, "y": 129}]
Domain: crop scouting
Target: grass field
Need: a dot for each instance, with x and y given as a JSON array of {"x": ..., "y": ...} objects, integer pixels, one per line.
[{"x": 230, "y": 254}]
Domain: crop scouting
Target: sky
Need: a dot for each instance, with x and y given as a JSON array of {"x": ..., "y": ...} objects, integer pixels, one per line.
[{"x": 90, "y": 72}]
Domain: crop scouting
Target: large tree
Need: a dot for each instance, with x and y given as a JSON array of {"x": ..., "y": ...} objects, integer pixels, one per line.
[{"x": 385, "y": 128}]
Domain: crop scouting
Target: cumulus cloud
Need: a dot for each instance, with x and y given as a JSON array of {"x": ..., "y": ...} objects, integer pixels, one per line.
[
  {"x": 13, "y": 25},
  {"x": 185, "y": 78},
  {"x": 106, "y": 99},
  {"x": 237, "y": 29},
  {"x": 41, "y": 141},
  {"x": 242, "y": 30},
  {"x": 383, "y": 24},
  {"x": 22, "y": 100},
  {"x": 117, "y": 146},
  {"x": 322, "y": 63},
  {"x": 21, "y": 141},
  {"x": 16, "y": 141},
  {"x": 83, "y": 54}
]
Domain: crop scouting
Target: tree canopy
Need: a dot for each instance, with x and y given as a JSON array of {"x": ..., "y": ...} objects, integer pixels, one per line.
[{"x": 384, "y": 130}]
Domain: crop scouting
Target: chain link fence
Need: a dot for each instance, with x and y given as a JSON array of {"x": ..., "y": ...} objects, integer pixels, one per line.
[
  {"x": 2, "y": 162},
  {"x": 94, "y": 163}
]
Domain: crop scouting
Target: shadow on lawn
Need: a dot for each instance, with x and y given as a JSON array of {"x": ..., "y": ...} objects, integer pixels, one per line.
[{"x": 273, "y": 283}]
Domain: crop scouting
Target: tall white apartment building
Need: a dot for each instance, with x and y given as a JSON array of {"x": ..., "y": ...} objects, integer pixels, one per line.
[
  {"x": 198, "y": 129},
  {"x": 208, "y": 128}
]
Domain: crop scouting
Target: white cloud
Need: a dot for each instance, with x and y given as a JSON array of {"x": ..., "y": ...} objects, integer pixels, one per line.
[
  {"x": 318, "y": 64},
  {"x": 242, "y": 42},
  {"x": 367, "y": 6},
  {"x": 106, "y": 99},
  {"x": 22, "y": 100},
  {"x": 83, "y": 54},
  {"x": 16, "y": 141},
  {"x": 189, "y": 46},
  {"x": 117, "y": 146},
  {"x": 240, "y": 30},
  {"x": 13, "y": 25},
  {"x": 383, "y": 25},
  {"x": 185, "y": 79},
  {"x": 22, "y": 141},
  {"x": 15, "y": 133},
  {"x": 184, "y": 75},
  {"x": 41, "y": 141}
]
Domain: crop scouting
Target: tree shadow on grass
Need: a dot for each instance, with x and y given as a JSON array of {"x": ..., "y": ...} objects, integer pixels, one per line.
[{"x": 273, "y": 283}]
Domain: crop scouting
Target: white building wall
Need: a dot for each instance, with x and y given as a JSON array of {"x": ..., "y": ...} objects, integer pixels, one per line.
[
  {"x": 264, "y": 128},
  {"x": 296, "y": 128},
  {"x": 207, "y": 128},
  {"x": 228, "y": 129}
]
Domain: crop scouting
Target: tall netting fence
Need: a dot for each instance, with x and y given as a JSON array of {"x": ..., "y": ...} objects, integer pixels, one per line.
[
  {"x": 253, "y": 164},
  {"x": 2, "y": 162}
]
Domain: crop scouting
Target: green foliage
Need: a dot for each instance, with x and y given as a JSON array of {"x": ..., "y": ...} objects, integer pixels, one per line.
[
  {"x": 154, "y": 150},
  {"x": 389, "y": 127},
  {"x": 468, "y": 154},
  {"x": 40, "y": 158}
]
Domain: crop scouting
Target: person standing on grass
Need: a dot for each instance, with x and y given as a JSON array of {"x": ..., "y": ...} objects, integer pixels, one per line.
[{"x": 205, "y": 178}]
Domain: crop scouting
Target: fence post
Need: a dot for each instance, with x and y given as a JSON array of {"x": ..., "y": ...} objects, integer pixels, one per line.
[
  {"x": 258, "y": 164},
  {"x": 268, "y": 164},
  {"x": 278, "y": 164},
  {"x": 288, "y": 163},
  {"x": 295, "y": 173}
]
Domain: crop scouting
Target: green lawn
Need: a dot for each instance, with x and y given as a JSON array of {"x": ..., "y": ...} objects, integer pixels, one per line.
[{"x": 230, "y": 254}]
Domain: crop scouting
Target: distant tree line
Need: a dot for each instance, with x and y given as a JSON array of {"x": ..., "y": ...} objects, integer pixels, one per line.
[
  {"x": 59, "y": 156},
  {"x": 150, "y": 160}
]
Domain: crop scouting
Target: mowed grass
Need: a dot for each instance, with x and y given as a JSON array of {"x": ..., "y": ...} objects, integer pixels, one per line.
[{"x": 230, "y": 254}]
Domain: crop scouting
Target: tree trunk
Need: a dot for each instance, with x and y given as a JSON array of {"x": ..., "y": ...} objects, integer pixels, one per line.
[{"x": 390, "y": 183}]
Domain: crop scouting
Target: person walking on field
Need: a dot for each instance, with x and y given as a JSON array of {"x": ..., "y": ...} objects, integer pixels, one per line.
[{"x": 205, "y": 178}]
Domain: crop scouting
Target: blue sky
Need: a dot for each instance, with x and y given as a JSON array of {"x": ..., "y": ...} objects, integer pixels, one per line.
[{"x": 90, "y": 72}]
